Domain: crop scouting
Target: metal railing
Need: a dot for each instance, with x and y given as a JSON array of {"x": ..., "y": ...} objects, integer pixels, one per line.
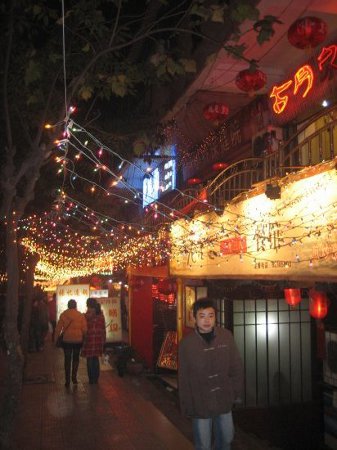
[{"x": 296, "y": 153}]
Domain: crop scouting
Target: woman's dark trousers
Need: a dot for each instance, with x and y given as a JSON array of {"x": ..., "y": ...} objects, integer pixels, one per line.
[
  {"x": 71, "y": 361},
  {"x": 93, "y": 369}
]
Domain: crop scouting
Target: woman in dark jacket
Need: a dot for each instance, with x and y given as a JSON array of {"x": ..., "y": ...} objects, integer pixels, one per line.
[{"x": 95, "y": 339}]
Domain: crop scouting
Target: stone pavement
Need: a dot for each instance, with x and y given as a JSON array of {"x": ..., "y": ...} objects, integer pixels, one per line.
[{"x": 120, "y": 413}]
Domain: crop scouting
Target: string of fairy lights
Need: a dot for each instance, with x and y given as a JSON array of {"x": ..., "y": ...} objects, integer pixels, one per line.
[{"x": 115, "y": 244}]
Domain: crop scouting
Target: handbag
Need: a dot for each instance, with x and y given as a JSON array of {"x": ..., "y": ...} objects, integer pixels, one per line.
[{"x": 59, "y": 340}]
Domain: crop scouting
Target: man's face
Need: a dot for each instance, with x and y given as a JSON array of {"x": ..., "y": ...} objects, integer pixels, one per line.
[{"x": 205, "y": 320}]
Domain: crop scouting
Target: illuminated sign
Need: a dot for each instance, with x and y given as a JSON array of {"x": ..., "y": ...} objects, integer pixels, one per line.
[
  {"x": 304, "y": 77},
  {"x": 78, "y": 292},
  {"x": 292, "y": 237},
  {"x": 151, "y": 187},
  {"x": 161, "y": 180}
]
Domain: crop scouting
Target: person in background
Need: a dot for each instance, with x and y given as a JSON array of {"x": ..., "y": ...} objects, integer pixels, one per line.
[
  {"x": 74, "y": 326},
  {"x": 95, "y": 339},
  {"x": 38, "y": 324},
  {"x": 210, "y": 377},
  {"x": 52, "y": 315}
]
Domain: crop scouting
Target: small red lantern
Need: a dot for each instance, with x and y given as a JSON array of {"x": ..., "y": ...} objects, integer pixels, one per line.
[
  {"x": 292, "y": 296},
  {"x": 318, "y": 304},
  {"x": 166, "y": 286},
  {"x": 250, "y": 80},
  {"x": 215, "y": 112},
  {"x": 219, "y": 166},
  {"x": 307, "y": 32},
  {"x": 194, "y": 181}
]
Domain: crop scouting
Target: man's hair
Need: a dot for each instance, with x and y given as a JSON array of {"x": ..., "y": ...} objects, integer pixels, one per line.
[
  {"x": 203, "y": 303},
  {"x": 72, "y": 304}
]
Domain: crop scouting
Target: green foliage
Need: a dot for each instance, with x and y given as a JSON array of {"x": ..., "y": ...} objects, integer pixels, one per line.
[
  {"x": 265, "y": 28},
  {"x": 244, "y": 10}
]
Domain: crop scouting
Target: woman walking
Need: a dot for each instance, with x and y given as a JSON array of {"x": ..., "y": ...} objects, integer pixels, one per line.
[
  {"x": 95, "y": 339},
  {"x": 73, "y": 325}
]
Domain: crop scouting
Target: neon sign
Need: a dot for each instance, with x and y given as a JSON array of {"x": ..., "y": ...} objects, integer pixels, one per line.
[{"x": 304, "y": 76}]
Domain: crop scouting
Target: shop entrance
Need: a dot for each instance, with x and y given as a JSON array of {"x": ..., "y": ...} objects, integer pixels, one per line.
[{"x": 275, "y": 343}]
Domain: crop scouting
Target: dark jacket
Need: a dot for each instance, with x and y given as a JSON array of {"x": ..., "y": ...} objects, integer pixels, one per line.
[{"x": 210, "y": 375}]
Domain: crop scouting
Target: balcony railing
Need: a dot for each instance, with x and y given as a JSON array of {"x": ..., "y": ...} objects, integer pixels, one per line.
[
  {"x": 298, "y": 152},
  {"x": 295, "y": 154}
]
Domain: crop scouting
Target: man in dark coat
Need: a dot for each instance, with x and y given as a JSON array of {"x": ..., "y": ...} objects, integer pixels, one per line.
[{"x": 210, "y": 378}]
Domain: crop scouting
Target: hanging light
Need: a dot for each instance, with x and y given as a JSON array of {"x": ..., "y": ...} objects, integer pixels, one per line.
[
  {"x": 215, "y": 112},
  {"x": 167, "y": 286},
  {"x": 292, "y": 296},
  {"x": 250, "y": 80},
  {"x": 219, "y": 166},
  {"x": 307, "y": 32},
  {"x": 194, "y": 181},
  {"x": 318, "y": 304}
]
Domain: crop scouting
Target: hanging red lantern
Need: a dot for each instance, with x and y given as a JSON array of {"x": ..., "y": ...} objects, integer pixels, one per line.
[
  {"x": 194, "y": 181},
  {"x": 215, "y": 112},
  {"x": 250, "y": 80},
  {"x": 292, "y": 296},
  {"x": 219, "y": 166},
  {"x": 307, "y": 32},
  {"x": 166, "y": 286},
  {"x": 318, "y": 304}
]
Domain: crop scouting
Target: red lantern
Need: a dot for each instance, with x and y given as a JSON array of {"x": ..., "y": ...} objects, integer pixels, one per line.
[
  {"x": 215, "y": 112},
  {"x": 219, "y": 166},
  {"x": 166, "y": 286},
  {"x": 307, "y": 32},
  {"x": 250, "y": 80},
  {"x": 292, "y": 296},
  {"x": 194, "y": 181},
  {"x": 318, "y": 304}
]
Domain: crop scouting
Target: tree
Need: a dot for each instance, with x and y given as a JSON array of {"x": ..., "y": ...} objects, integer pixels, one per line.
[{"x": 97, "y": 53}]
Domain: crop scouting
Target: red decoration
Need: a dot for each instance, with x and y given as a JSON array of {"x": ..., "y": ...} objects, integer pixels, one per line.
[
  {"x": 166, "y": 286},
  {"x": 219, "y": 166},
  {"x": 292, "y": 296},
  {"x": 215, "y": 112},
  {"x": 193, "y": 181},
  {"x": 318, "y": 305},
  {"x": 250, "y": 80},
  {"x": 307, "y": 32}
]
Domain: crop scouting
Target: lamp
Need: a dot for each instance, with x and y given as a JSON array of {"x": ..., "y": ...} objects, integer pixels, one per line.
[{"x": 273, "y": 191}]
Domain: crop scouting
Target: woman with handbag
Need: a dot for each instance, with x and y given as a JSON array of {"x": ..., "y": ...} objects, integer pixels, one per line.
[
  {"x": 72, "y": 324},
  {"x": 95, "y": 339}
]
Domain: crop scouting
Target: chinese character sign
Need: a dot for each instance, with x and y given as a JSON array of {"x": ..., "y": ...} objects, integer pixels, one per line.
[
  {"x": 111, "y": 307},
  {"x": 78, "y": 292},
  {"x": 97, "y": 293},
  {"x": 308, "y": 79}
]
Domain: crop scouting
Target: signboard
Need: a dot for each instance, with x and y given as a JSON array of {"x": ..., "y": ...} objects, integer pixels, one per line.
[
  {"x": 292, "y": 237},
  {"x": 78, "y": 292},
  {"x": 307, "y": 86},
  {"x": 111, "y": 308},
  {"x": 168, "y": 357},
  {"x": 97, "y": 293}
]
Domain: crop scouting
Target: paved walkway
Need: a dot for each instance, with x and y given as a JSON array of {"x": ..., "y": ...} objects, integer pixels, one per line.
[{"x": 113, "y": 415}]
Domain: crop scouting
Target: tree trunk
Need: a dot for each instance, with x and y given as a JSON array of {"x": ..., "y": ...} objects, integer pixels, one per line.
[
  {"x": 14, "y": 366},
  {"x": 28, "y": 300}
]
